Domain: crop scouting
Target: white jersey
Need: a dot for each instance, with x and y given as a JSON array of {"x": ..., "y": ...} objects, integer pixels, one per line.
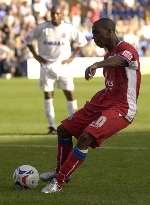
[{"x": 54, "y": 42}]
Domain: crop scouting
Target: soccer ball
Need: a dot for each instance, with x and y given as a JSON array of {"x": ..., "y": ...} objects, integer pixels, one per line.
[{"x": 26, "y": 176}]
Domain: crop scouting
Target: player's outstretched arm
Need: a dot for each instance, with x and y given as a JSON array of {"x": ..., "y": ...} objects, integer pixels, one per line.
[{"x": 115, "y": 61}]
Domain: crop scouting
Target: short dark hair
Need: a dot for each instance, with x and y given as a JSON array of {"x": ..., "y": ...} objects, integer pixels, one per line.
[
  {"x": 56, "y": 6},
  {"x": 105, "y": 23}
]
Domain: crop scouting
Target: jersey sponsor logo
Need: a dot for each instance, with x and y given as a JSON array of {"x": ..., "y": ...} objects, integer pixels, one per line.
[
  {"x": 53, "y": 43},
  {"x": 109, "y": 83},
  {"x": 127, "y": 54},
  {"x": 99, "y": 122}
]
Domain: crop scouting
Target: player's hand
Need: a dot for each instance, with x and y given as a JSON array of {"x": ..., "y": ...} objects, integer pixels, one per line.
[
  {"x": 90, "y": 72},
  {"x": 67, "y": 61}
]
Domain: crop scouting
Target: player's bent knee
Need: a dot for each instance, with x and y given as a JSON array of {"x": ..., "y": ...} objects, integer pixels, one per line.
[
  {"x": 62, "y": 132},
  {"x": 85, "y": 141}
]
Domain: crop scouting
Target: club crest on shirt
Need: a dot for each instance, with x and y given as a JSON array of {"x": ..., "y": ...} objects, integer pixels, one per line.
[{"x": 127, "y": 54}]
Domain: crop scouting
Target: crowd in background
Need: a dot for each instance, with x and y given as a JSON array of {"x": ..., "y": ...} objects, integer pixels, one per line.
[{"x": 17, "y": 17}]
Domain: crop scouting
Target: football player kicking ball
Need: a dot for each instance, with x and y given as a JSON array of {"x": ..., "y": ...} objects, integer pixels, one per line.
[{"x": 109, "y": 111}]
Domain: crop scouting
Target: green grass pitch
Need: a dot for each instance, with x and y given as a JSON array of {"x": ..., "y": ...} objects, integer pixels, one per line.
[{"x": 116, "y": 174}]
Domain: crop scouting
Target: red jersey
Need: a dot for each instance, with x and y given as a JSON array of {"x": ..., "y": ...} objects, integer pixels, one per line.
[{"x": 122, "y": 83}]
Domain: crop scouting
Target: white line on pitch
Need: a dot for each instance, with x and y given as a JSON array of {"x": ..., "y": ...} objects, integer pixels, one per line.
[{"x": 52, "y": 147}]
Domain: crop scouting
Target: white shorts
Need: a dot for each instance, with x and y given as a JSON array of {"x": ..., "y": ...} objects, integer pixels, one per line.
[{"x": 55, "y": 75}]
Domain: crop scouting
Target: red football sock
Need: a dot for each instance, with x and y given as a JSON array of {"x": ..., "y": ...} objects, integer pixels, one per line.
[
  {"x": 74, "y": 160},
  {"x": 64, "y": 148}
]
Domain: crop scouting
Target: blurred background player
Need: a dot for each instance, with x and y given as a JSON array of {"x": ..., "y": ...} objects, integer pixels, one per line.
[
  {"x": 109, "y": 111},
  {"x": 54, "y": 40}
]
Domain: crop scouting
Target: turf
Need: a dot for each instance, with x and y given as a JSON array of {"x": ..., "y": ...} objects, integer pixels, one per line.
[{"x": 116, "y": 174}]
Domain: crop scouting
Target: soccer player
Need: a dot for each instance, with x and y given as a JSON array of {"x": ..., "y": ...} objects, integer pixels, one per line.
[
  {"x": 54, "y": 53},
  {"x": 109, "y": 111}
]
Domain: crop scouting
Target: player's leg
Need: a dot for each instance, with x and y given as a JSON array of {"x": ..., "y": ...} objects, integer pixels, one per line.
[
  {"x": 64, "y": 147},
  {"x": 71, "y": 102},
  {"x": 74, "y": 160},
  {"x": 47, "y": 85},
  {"x": 67, "y": 85},
  {"x": 73, "y": 126},
  {"x": 107, "y": 124},
  {"x": 49, "y": 111}
]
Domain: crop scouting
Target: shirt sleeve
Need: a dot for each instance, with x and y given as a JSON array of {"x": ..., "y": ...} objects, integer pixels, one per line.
[
  {"x": 32, "y": 35},
  {"x": 127, "y": 55},
  {"x": 78, "y": 37},
  {"x": 131, "y": 56}
]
